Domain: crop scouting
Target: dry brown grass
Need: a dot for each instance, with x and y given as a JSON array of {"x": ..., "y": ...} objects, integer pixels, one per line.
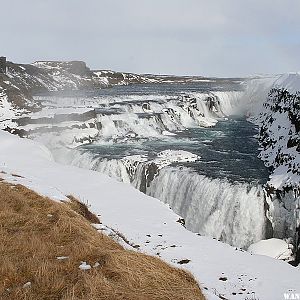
[
  {"x": 82, "y": 209},
  {"x": 34, "y": 231}
]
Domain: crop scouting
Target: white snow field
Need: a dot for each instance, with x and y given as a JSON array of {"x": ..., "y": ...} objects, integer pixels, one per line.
[{"x": 149, "y": 225}]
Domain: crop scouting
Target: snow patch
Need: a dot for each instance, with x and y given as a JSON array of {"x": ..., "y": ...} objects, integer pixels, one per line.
[{"x": 274, "y": 248}]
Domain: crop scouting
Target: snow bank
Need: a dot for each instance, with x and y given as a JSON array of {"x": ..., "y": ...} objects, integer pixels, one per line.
[{"x": 275, "y": 248}]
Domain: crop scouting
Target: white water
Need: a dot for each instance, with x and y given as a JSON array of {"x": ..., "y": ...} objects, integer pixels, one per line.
[
  {"x": 145, "y": 117},
  {"x": 124, "y": 118},
  {"x": 233, "y": 213}
]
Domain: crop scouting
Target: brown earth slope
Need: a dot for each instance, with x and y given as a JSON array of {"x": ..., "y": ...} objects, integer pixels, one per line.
[{"x": 43, "y": 243}]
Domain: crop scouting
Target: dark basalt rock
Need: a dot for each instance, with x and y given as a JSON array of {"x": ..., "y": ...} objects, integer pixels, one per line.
[
  {"x": 57, "y": 118},
  {"x": 269, "y": 231},
  {"x": 181, "y": 221},
  {"x": 2, "y": 64},
  {"x": 76, "y": 67},
  {"x": 150, "y": 170},
  {"x": 20, "y": 132},
  {"x": 293, "y": 142},
  {"x": 183, "y": 261}
]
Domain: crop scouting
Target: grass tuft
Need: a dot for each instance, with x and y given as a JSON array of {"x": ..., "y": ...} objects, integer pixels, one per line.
[{"x": 82, "y": 209}]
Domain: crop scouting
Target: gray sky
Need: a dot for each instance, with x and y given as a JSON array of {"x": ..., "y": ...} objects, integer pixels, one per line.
[{"x": 196, "y": 37}]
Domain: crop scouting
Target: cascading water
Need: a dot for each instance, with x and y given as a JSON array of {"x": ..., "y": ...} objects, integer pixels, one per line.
[
  {"x": 233, "y": 213},
  {"x": 229, "y": 211},
  {"x": 179, "y": 147}
]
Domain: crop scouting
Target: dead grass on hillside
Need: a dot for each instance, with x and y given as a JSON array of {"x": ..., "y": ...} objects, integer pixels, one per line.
[
  {"x": 82, "y": 209},
  {"x": 35, "y": 231}
]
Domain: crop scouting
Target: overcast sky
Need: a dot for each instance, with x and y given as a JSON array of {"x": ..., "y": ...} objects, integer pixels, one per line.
[{"x": 197, "y": 37}]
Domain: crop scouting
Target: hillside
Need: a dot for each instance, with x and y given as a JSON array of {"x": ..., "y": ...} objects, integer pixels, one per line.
[{"x": 63, "y": 257}]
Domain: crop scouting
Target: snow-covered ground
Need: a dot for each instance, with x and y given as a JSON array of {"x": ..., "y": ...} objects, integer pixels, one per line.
[
  {"x": 149, "y": 225},
  {"x": 7, "y": 112},
  {"x": 275, "y": 248}
]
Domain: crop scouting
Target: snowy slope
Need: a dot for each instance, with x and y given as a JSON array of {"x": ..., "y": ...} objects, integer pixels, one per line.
[
  {"x": 44, "y": 76},
  {"x": 274, "y": 105},
  {"x": 7, "y": 112},
  {"x": 279, "y": 122},
  {"x": 12, "y": 106},
  {"x": 150, "y": 225}
]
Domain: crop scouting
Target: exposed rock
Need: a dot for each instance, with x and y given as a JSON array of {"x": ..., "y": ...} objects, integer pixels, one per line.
[{"x": 2, "y": 64}]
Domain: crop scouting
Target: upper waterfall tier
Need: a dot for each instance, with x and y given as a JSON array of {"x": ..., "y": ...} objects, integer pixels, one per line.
[{"x": 119, "y": 118}]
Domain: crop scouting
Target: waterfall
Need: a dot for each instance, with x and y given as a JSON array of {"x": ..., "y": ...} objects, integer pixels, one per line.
[
  {"x": 112, "y": 167},
  {"x": 123, "y": 118},
  {"x": 159, "y": 116},
  {"x": 231, "y": 212}
]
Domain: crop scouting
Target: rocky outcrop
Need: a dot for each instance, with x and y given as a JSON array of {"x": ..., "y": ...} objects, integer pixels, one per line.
[
  {"x": 279, "y": 122},
  {"x": 279, "y": 136},
  {"x": 2, "y": 65}
]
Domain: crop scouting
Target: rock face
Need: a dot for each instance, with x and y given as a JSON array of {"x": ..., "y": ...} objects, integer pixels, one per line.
[
  {"x": 279, "y": 122},
  {"x": 44, "y": 76},
  {"x": 2, "y": 65},
  {"x": 279, "y": 134}
]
